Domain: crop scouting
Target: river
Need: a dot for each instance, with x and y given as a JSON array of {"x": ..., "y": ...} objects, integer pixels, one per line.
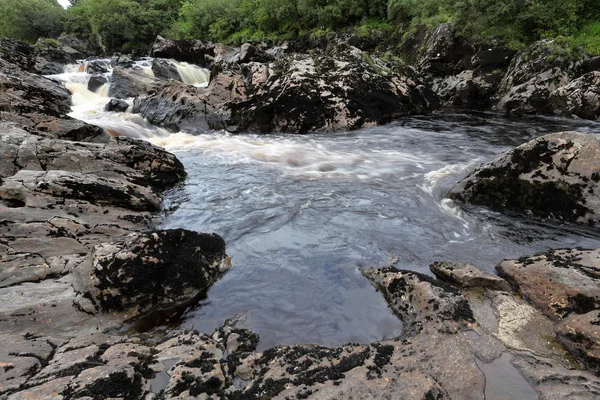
[{"x": 302, "y": 214}]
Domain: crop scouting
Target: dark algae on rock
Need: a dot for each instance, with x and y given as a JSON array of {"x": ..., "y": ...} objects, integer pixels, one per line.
[{"x": 552, "y": 177}]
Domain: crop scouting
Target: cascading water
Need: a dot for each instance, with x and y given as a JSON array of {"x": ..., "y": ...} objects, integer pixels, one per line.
[
  {"x": 302, "y": 214},
  {"x": 192, "y": 74}
]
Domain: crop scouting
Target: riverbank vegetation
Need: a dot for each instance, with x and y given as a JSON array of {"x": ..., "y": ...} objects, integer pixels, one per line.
[{"x": 124, "y": 25}]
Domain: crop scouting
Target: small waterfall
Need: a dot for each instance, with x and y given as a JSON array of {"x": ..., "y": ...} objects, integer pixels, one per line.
[
  {"x": 88, "y": 106},
  {"x": 192, "y": 74}
]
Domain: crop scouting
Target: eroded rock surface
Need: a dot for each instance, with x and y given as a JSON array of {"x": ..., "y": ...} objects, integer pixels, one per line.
[
  {"x": 565, "y": 286},
  {"x": 555, "y": 176},
  {"x": 470, "y": 343},
  {"x": 149, "y": 270}
]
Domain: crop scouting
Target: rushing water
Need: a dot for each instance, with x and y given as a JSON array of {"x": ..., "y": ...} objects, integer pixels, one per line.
[{"x": 302, "y": 215}]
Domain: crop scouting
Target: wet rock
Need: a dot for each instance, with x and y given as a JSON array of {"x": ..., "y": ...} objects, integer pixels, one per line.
[
  {"x": 52, "y": 56},
  {"x": 469, "y": 89},
  {"x": 193, "y": 51},
  {"x": 149, "y": 271},
  {"x": 554, "y": 176},
  {"x": 580, "y": 98},
  {"x": 467, "y": 276},
  {"x": 18, "y": 53},
  {"x": 116, "y": 105},
  {"x": 565, "y": 286},
  {"x": 178, "y": 106},
  {"x": 317, "y": 94},
  {"x": 96, "y": 81},
  {"x": 534, "y": 73},
  {"x": 97, "y": 66},
  {"x": 127, "y": 82},
  {"x": 443, "y": 53},
  {"x": 163, "y": 69},
  {"x": 22, "y": 92}
]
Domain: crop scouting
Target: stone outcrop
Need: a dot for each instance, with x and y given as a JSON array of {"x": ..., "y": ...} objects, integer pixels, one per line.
[
  {"x": 203, "y": 54},
  {"x": 149, "y": 271},
  {"x": 579, "y": 98},
  {"x": 565, "y": 286},
  {"x": 469, "y": 343},
  {"x": 130, "y": 82},
  {"x": 552, "y": 177}
]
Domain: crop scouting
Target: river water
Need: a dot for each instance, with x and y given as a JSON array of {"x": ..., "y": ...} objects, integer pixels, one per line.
[{"x": 302, "y": 214}]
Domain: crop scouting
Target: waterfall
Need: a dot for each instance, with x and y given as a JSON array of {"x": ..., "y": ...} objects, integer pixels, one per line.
[{"x": 192, "y": 74}]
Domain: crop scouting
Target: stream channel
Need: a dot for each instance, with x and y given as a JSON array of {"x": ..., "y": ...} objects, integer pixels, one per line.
[{"x": 302, "y": 214}]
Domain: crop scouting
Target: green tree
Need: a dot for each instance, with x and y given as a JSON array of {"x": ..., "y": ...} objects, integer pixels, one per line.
[{"x": 30, "y": 20}]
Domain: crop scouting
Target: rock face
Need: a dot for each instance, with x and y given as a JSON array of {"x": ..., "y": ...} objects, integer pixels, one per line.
[
  {"x": 192, "y": 51},
  {"x": 149, "y": 271},
  {"x": 128, "y": 82},
  {"x": 565, "y": 286},
  {"x": 116, "y": 105},
  {"x": 580, "y": 98},
  {"x": 555, "y": 176},
  {"x": 545, "y": 78},
  {"x": 296, "y": 94},
  {"x": 494, "y": 344}
]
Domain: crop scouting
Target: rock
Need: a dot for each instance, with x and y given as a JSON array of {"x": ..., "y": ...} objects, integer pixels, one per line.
[
  {"x": 116, "y": 105},
  {"x": 306, "y": 94},
  {"x": 469, "y": 89},
  {"x": 565, "y": 286},
  {"x": 126, "y": 83},
  {"x": 97, "y": 66},
  {"x": 580, "y": 98},
  {"x": 163, "y": 69},
  {"x": 177, "y": 106},
  {"x": 534, "y": 73},
  {"x": 96, "y": 81},
  {"x": 65, "y": 128},
  {"x": 18, "y": 53},
  {"x": 552, "y": 177},
  {"x": 467, "y": 276},
  {"x": 193, "y": 51},
  {"x": 249, "y": 53},
  {"x": 52, "y": 56},
  {"x": 22, "y": 92},
  {"x": 148, "y": 271},
  {"x": 443, "y": 52}
]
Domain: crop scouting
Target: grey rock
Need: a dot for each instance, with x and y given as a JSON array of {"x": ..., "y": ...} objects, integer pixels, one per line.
[
  {"x": 470, "y": 89},
  {"x": 467, "y": 276},
  {"x": 149, "y": 271},
  {"x": 128, "y": 82},
  {"x": 580, "y": 98},
  {"x": 116, "y": 105},
  {"x": 192, "y": 51},
  {"x": 552, "y": 177},
  {"x": 565, "y": 286},
  {"x": 163, "y": 69},
  {"x": 96, "y": 81}
]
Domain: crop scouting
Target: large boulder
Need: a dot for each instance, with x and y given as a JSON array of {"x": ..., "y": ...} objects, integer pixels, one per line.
[
  {"x": 443, "y": 53},
  {"x": 580, "y": 98},
  {"x": 18, "y": 53},
  {"x": 204, "y": 54},
  {"x": 149, "y": 271},
  {"x": 130, "y": 82},
  {"x": 553, "y": 177},
  {"x": 470, "y": 89},
  {"x": 304, "y": 93},
  {"x": 534, "y": 73},
  {"x": 52, "y": 56},
  {"x": 164, "y": 69},
  {"x": 565, "y": 286}
]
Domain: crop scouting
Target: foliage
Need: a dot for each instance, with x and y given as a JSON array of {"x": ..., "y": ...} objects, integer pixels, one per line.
[
  {"x": 122, "y": 24},
  {"x": 31, "y": 19}
]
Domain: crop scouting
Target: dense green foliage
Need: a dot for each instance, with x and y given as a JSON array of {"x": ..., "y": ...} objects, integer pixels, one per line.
[
  {"x": 121, "y": 24},
  {"x": 128, "y": 24},
  {"x": 30, "y": 19}
]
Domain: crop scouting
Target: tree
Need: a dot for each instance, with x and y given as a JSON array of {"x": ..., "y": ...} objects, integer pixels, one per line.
[{"x": 30, "y": 20}]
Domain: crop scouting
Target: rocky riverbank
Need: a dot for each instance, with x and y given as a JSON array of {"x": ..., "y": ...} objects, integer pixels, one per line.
[{"x": 84, "y": 272}]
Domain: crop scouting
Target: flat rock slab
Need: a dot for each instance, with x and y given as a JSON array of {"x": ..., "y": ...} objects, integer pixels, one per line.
[
  {"x": 552, "y": 177},
  {"x": 564, "y": 285}
]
